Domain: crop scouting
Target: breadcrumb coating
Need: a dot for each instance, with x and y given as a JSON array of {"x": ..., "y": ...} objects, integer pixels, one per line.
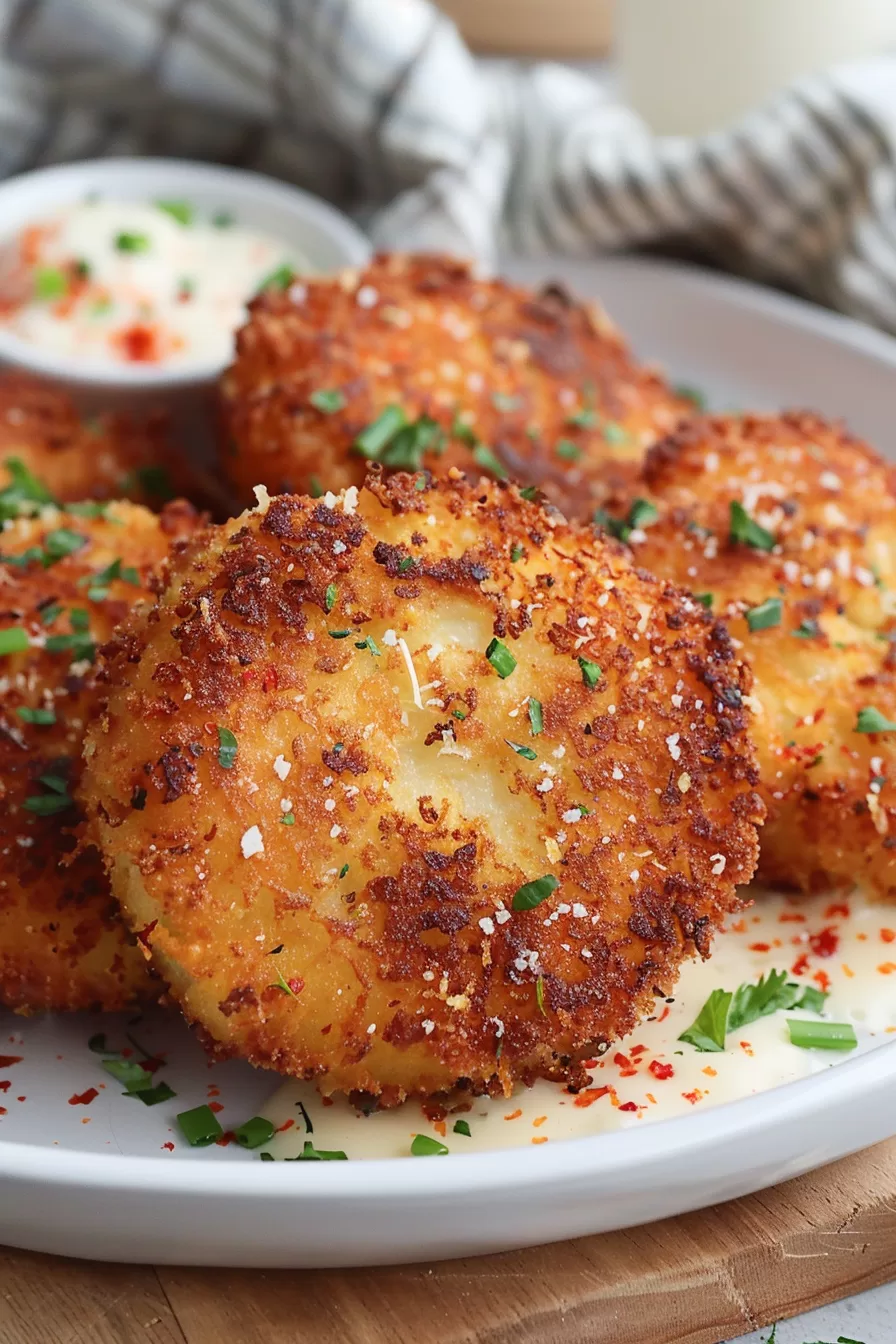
[
  {"x": 785, "y": 525},
  {"x": 66, "y": 579},
  {"x": 476, "y": 374},
  {"x": 419, "y": 785}
]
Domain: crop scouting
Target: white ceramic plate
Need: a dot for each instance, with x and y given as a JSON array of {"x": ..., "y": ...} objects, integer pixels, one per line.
[{"x": 114, "y": 1188}]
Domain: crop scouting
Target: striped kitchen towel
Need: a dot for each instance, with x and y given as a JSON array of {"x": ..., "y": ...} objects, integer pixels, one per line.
[{"x": 377, "y": 105}]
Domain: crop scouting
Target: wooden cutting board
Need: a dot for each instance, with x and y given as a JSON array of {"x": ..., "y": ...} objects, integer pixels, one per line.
[{"x": 697, "y": 1279}]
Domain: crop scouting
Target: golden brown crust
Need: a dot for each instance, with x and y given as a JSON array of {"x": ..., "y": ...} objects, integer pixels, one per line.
[
  {"x": 371, "y": 941},
  {"x": 62, "y": 943},
  {"x": 828, "y": 501},
  {"x": 544, "y": 383}
]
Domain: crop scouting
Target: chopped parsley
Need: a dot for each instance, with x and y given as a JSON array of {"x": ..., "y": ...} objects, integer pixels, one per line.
[
  {"x": 328, "y": 399},
  {"x": 691, "y": 394},
  {"x": 23, "y": 492},
  {"x": 424, "y": 1146},
  {"x": 533, "y": 893},
  {"x": 591, "y": 673},
  {"x": 807, "y": 630},
  {"x": 461, "y": 1127},
  {"x": 331, "y": 595},
  {"x": 61, "y": 542},
  {"x": 405, "y": 451},
  {"x": 567, "y": 450},
  {"x": 536, "y": 716},
  {"x": 380, "y": 432},
  {"x": 767, "y": 614},
  {"x": 49, "y": 283},
  {"x": 343, "y": 870},
  {"x": 288, "y": 819},
  {"x": 222, "y": 220},
  {"x": 501, "y": 659},
  {"x": 280, "y": 278},
  {"x": 13, "y": 640},
  {"x": 705, "y": 600},
  {"x": 526, "y": 752},
  {"x": 870, "y": 720},
  {"x": 724, "y": 1012},
  {"x": 529, "y": 492},
  {"x": 98, "y": 584},
  {"x": 707, "y": 1032},
  {"x": 38, "y": 716},
  {"x": 516, "y": 552},
  {"x": 407, "y": 563},
  {"x": 131, "y": 242},
  {"x": 315, "y": 489},
  {"x": 227, "y": 748},
  {"x": 486, "y": 459},
  {"x": 368, "y": 642},
  {"x": 641, "y": 514},
  {"x": 745, "y": 530},
  {"x": 182, "y": 211}
]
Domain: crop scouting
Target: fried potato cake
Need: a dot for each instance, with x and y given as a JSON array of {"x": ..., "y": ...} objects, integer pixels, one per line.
[
  {"x": 65, "y": 581},
  {"x": 419, "y": 785},
  {"x": 415, "y": 361},
  {"x": 785, "y": 526},
  {"x": 105, "y": 457}
]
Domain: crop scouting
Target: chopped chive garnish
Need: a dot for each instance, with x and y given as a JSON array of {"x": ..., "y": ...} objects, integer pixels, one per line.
[
  {"x": 533, "y": 893},
  {"x": 807, "y": 630},
  {"x": 486, "y": 459},
  {"x": 567, "y": 450},
  {"x": 368, "y": 642},
  {"x": 502, "y": 402},
  {"x": 585, "y": 418},
  {"x": 200, "y": 1127},
  {"x": 372, "y": 440},
  {"x": 24, "y": 490},
  {"x": 705, "y": 600},
  {"x": 281, "y": 984},
  {"x": 315, "y": 489},
  {"x": 253, "y": 1133},
  {"x": 328, "y": 399},
  {"x": 332, "y": 594},
  {"x": 62, "y": 541},
  {"x": 288, "y": 819},
  {"x": 870, "y": 720},
  {"x": 744, "y": 529},
  {"x": 529, "y": 492},
  {"x": 821, "y": 1035},
  {"x": 339, "y": 634},
  {"x": 182, "y": 211},
  {"x": 614, "y": 433},
  {"x": 707, "y": 1031},
  {"x": 424, "y": 1146},
  {"x": 47, "y": 805},
  {"x": 461, "y": 1127},
  {"x": 539, "y": 995},
  {"x": 461, "y": 430},
  {"x": 343, "y": 870},
  {"x": 49, "y": 283},
  {"x": 97, "y": 1045},
  {"x": 132, "y": 1076},
  {"x": 98, "y": 584},
  {"x": 132, "y": 242},
  {"x": 311, "y": 1154},
  {"x": 767, "y": 614},
  {"x": 277, "y": 279},
  {"x": 536, "y": 716},
  {"x": 13, "y": 640},
  {"x": 642, "y": 513},
  {"x": 223, "y": 219},
  {"x": 404, "y": 451},
  {"x": 50, "y": 613},
  {"x": 501, "y": 659},
  {"x": 516, "y": 553},
  {"x": 266, "y": 1157},
  {"x": 420, "y": 483},
  {"x": 227, "y": 748},
  {"x": 152, "y": 1096},
  {"x": 407, "y": 563},
  {"x": 56, "y": 783},
  {"x": 459, "y": 714},
  {"x": 591, "y": 673},
  {"x": 691, "y": 394},
  {"x": 40, "y": 715},
  {"x": 525, "y": 752}
]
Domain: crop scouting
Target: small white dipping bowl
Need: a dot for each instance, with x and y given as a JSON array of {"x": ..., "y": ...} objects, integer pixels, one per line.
[{"x": 321, "y": 234}]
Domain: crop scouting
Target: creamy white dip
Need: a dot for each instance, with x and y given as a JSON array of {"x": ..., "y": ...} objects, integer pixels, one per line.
[
  {"x": 137, "y": 283},
  {"x": 846, "y": 947}
]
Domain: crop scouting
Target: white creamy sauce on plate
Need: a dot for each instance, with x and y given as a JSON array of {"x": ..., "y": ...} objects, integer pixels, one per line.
[
  {"x": 843, "y": 946},
  {"x": 137, "y": 283}
]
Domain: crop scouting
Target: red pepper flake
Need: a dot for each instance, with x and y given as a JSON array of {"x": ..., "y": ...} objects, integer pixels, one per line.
[
  {"x": 622, "y": 1061},
  {"x": 540, "y": 1138},
  {"x": 6, "y": 1061},
  {"x": 746, "y": 1047},
  {"x": 215, "y": 1106},
  {"x": 270, "y": 681},
  {"x": 169, "y": 1146},
  {"x": 21, "y": 1098},
  {"x": 539, "y": 1120},
  {"x": 760, "y": 947},
  {"x": 801, "y": 965},
  {"x": 441, "y": 1128},
  {"x": 793, "y": 917},
  {"x": 822, "y": 980},
  {"x": 888, "y": 935},
  {"x": 288, "y": 1124},
  {"x": 693, "y": 1097},
  {"x": 296, "y": 984},
  {"x": 590, "y": 1096},
  {"x": 629, "y": 1106},
  {"x": 825, "y": 942},
  {"x": 213, "y": 1091},
  {"x": 83, "y": 1098},
  {"x": 628, "y": 1073},
  {"x": 738, "y": 926},
  {"x": 887, "y": 968},
  {"x": 514, "y": 1115},
  {"x": 327, "y": 1101},
  {"x": 225, "y": 1139},
  {"x": 660, "y": 1070},
  {"x": 710, "y": 1071},
  {"x": 5, "y": 1085},
  {"x": 248, "y": 676},
  {"x": 140, "y": 343},
  {"x": 839, "y": 910},
  {"x": 3, "y": 1110},
  {"x": 637, "y": 1050},
  {"x": 664, "y": 1014}
]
